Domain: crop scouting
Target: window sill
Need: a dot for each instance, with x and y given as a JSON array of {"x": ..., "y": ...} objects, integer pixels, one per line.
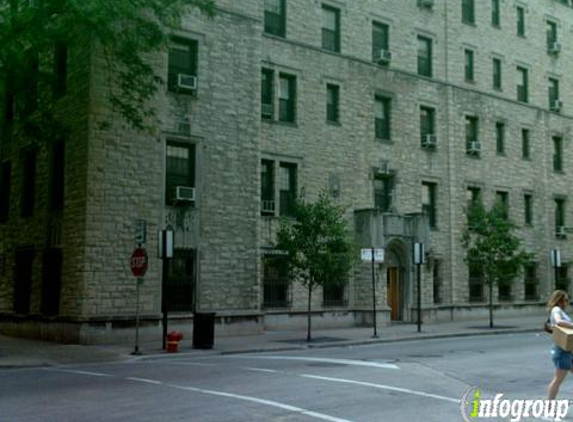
[
  {"x": 501, "y": 154},
  {"x": 284, "y": 123},
  {"x": 333, "y": 123},
  {"x": 183, "y": 93},
  {"x": 472, "y": 24},
  {"x": 384, "y": 141},
  {"x": 560, "y": 172}
]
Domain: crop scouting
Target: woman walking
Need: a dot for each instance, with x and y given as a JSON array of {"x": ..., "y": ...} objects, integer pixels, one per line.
[{"x": 562, "y": 359}]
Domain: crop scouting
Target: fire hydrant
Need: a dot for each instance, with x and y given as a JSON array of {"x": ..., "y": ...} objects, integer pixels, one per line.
[{"x": 173, "y": 339}]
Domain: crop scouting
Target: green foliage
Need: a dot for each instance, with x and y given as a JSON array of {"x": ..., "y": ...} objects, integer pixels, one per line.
[
  {"x": 318, "y": 251},
  {"x": 492, "y": 248},
  {"x": 124, "y": 31},
  {"x": 316, "y": 243}
]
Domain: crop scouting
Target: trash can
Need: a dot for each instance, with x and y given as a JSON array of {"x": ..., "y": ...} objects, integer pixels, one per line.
[{"x": 203, "y": 330}]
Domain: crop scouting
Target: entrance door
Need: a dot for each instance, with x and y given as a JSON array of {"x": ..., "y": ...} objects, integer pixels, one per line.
[{"x": 393, "y": 292}]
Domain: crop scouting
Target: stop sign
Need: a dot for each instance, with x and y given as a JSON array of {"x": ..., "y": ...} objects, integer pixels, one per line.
[{"x": 138, "y": 262}]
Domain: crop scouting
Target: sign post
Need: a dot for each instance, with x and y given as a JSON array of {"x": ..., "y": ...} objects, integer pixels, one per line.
[
  {"x": 419, "y": 260},
  {"x": 373, "y": 255},
  {"x": 138, "y": 264},
  {"x": 165, "y": 249},
  {"x": 556, "y": 263}
]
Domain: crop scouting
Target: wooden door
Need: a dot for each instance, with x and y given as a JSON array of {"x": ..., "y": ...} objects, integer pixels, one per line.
[{"x": 393, "y": 292}]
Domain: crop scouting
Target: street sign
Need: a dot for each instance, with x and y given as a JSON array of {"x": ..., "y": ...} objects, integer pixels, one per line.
[
  {"x": 555, "y": 258},
  {"x": 419, "y": 255},
  {"x": 138, "y": 262},
  {"x": 140, "y": 231},
  {"x": 366, "y": 254},
  {"x": 165, "y": 246}
]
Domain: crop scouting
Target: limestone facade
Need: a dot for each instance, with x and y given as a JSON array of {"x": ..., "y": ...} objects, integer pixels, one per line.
[{"x": 115, "y": 176}]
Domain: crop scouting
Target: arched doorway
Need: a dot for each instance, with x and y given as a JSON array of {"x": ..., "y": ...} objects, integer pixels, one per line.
[{"x": 396, "y": 280}]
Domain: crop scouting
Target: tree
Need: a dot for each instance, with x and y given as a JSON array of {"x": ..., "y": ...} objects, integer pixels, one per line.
[
  {"x": 318, "y": 251},
  {"x": 124, "y": 32},
  {"x": 492, "y": 250}
]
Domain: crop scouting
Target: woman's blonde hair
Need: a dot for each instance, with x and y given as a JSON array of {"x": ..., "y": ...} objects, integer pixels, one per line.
[{"x": 556, "y": 297}]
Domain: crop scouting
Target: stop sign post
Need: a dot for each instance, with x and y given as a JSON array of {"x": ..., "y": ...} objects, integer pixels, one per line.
[{"x": 138, "y": 264}]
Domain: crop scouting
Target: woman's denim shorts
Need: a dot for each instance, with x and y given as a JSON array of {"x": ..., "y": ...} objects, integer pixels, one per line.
[{"x": 561, "y": 358}]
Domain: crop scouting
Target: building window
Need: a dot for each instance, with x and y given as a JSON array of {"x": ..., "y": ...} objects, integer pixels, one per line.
[
  {"x": 51, "y": 281},
  {"x": 504, "y": 291},
  {"x": 468, "y": 12},
  {"x": 180, "y": 169},
  {"x": 473, "y": 196},
  {"x": 497, "y": 76},
  {"x": 380, "y": 42},
  {"x": 287, "y": 98},
  {"x": 57, "y": 176},
  {"x": 469, "y": 66},
  {"x": 60, "y": 69},
  {"x": 551, "y": 35},
  {"x": 287, "y": 188},
  {"x": 557, "y": 154},
  {"x": 472, "y": 132},
  {"x": 332, "y": 103},
  {"x": 520, "y": 21},
  {"x": 267, "y": 97},
  {"x": 553, "y": 91},
  {"x": 5, "y": 184},
  {"x": 500, "y": 137},
  {"x": 428, "y": 126},
  {"x": 495, "y": 13},
  {"x": 275, "y": 17},
  {"x": 383, "y": 191},
  {"x": 330, "y": 28},
  {"x": 424, "y": 56},
  {"x": 475, "y": 287},
  {"x": 182, "y": 68},
  {"x": 179, "y": 285},
  {"x": 429, "y": 202},
  {"x": 522, "y": 85},
  {"x": 275, "y": 283},
  {"x": 437, "y": 273},
  {"x": 530, "y": 281},
  {"x": 333, "y": 295},
  {"x": 525, "y": 144},
  {"x": 382, "y": 109},
  {"x": 559, "y": 215},
  {"x": 528, "y": 209},
  {"x": 562, "y": 282},
  {"x": 23, "y": 280},
  {"x": 267, "y": 187},
  {"x": 28, "y": 183},
  {"x": 502, "y": 198}
]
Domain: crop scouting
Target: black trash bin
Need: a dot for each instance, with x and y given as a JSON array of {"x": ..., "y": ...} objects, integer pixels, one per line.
[{"x": 203, "y": 330}]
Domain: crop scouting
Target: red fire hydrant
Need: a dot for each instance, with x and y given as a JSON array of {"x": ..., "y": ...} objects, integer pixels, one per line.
[{"x": 173, "y": 339}]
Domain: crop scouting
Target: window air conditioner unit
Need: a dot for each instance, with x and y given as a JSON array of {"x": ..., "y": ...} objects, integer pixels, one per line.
[
  {"x": 267, "y": 206},
  {"x": 384, "y": 169},
  {"x": 267, "y": 110},
  {"x": 560, "y": 231},
  {"x": 186, "y": 81},
  {"x": 429, "y": 141},
  {"x": 555, "y": 48},
  {"x": 557, "y": 105},
  {"x": 474, "y": 147},
  {"x": 184, "y": 194},
  {"x": 384, "y": 56},
  {"x": 426, "y": 3}
]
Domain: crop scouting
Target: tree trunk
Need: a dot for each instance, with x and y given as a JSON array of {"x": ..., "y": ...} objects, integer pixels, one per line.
[
  {"x": 308, "y": 337},
  {"x": 490, "y": 305}
]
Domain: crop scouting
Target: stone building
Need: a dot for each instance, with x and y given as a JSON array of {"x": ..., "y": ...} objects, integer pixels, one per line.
[{"x": 402, "y": 110}]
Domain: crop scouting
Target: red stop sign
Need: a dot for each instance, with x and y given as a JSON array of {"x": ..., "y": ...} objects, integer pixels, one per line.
[{"x": 138, "y": 262}]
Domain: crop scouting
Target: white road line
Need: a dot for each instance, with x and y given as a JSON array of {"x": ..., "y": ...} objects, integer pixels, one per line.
[
  {"x": 384, "y": 387},
  {"x": 325, "y": 360},
  {"x": 272, "y": 403},
  {"x": 145, "y": 380},
  {"x": 73, "y": 371},
  {"x": 250, "y": 368}
]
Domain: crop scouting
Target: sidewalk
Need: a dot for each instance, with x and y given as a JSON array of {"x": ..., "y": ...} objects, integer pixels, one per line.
[{"x": 17, "y": 353}]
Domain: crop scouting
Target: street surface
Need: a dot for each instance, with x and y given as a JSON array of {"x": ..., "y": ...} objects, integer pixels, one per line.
[{"x": 421, "y": 380}]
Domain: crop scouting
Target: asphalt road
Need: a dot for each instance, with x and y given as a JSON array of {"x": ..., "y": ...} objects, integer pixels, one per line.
[{"x": 406, "y": 381}]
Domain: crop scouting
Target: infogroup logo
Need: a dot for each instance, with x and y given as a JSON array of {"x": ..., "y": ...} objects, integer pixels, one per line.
[{"x": 475, "y": 408}]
